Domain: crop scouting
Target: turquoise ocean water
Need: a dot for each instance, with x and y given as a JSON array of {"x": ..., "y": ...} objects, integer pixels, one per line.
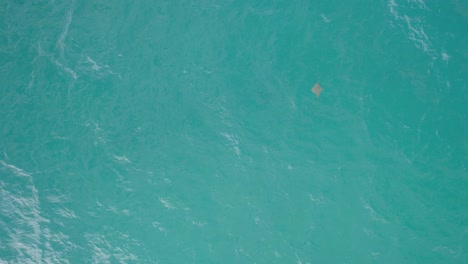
[{"x": 186, "y": 131}]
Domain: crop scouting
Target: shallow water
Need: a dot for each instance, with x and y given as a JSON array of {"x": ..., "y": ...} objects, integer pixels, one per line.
[{"x": 186, "y": 132}]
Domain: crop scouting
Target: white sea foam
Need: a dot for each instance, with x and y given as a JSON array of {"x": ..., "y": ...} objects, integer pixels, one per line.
[
  {"x": 95, "y": 66},
  {"x": 413, "y": 26},
  {"x": 66, "y": 69},
  {"x": 375, "y": 216},
  {"x": 166, "y": 203},
  {"x": 105, "y": 252},
  {"x": 66, "y": 213},
  {"x": 198, "y": 223},
  {"x": 27, "y": 234},
  {"x": 233, "y": 142},
  {"x": 122, "y": 158},
  {"x": 159, "y": 226},
  {"x": 416, "y": 33},
  {"x": 257, "y": 220},
  {"x": 445, "y": 56},
  {"x": 61, "y": 39},
  {"x": 17, "y": 171},
  {"x": 317, "y": 198},
  {"x": 61, "y": 45}
]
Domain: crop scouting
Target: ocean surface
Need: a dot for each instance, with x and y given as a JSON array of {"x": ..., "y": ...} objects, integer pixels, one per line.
[{"x": 183, "y": 131}]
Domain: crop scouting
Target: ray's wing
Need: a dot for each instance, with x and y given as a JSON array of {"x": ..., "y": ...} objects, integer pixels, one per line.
[{"x": 317, "y": 89}]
